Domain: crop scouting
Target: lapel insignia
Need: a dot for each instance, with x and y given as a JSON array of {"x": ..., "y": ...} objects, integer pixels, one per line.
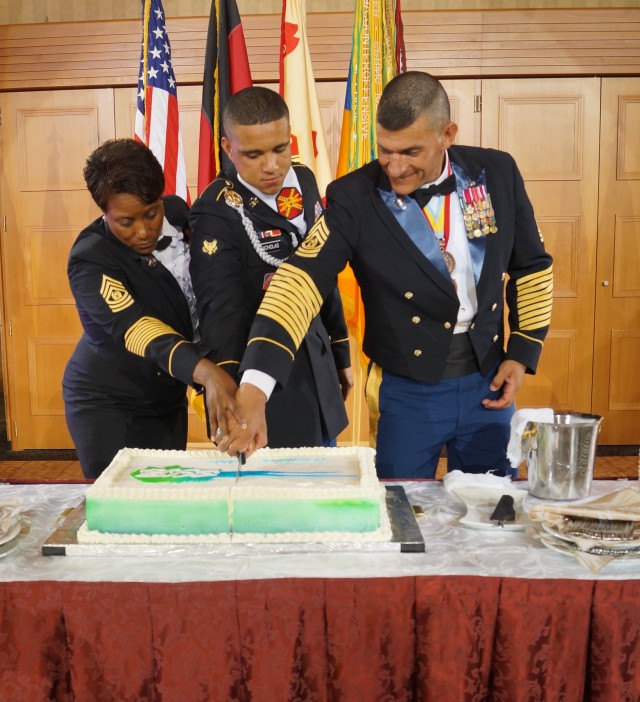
[
  {"x": 115, "y": 294},
  {"x": 289, "y": 203},
  {"x": 253, "y": 202},
  {"x": 209, "y": 247},
  {"x": 152, "y": 261}
]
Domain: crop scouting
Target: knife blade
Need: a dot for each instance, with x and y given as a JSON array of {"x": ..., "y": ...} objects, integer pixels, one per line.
[
  {"x": 504, "y": 511},
  {"x": 242, "y": 459}
]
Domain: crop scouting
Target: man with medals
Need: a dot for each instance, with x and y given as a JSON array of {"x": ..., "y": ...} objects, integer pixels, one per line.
[
  {"x": 245, "y": 225},
  {"x": 436, "y": 235}
]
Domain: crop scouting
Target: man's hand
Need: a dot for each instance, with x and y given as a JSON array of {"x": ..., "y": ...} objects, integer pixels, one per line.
[
  {"x": 508, "y": 377},
  {"x": 345, "y": 376},
  {"x": 253, "y": 435},
  {"x": 219, "y": 394}
]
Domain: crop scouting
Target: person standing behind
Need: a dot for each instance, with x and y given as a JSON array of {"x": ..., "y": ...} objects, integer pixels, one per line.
[
  {"x": 249, "y": 221},
  {"x": 433, "y": 231},
  {"x": 125, "y": 383}
]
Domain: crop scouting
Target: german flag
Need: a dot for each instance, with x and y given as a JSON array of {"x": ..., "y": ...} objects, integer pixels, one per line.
[{"x": 226, "y": 70}]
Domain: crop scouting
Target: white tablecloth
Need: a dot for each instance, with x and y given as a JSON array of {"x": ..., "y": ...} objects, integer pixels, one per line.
[{"x": 451, "y": 549}]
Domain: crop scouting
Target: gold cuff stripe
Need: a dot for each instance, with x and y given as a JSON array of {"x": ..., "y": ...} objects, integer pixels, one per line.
[
  {"x": 183, "y": 341},
  {"x": 528, "y": 310},
  {"x": 535, "y": 298},
  {"x": 529, "y": 338},
  {"x": 340, "y": 341},
  {"x": 279, "y": 304},
  {"x": 275, "y": 343},
  {"x": 537, "y": 323},
  {"x": 139, "y": 335},
  {"x": 315, "y": 240},
  {"x": 226, "y": 363},
  {"x": 532, "y": 278},
  {"x": 292, "y": 301},
  {"x": 115, "y": 294}
]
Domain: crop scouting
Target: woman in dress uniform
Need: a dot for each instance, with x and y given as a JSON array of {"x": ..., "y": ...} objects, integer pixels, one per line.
[{"x": 125, "y": 382}]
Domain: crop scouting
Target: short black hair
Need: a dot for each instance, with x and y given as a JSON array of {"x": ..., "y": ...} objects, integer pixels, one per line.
[
  {"x": 409, "y": 96},
  {"x": 123, "y": 166},
  {"x": 254, "y": 105}
]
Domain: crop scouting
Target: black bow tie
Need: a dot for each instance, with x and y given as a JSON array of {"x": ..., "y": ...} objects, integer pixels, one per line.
[{"x": 423, "y": 195}]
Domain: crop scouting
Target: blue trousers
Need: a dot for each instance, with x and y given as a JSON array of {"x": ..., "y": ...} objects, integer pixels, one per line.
[{"x": 416, "y": 420}]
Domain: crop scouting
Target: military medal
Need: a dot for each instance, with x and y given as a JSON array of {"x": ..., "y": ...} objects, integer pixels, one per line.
[
  {"x": 477, "y": 211},
  {"x": 438, "y": 216}
]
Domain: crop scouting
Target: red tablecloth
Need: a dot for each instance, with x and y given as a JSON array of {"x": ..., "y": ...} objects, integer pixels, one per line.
[{"x": 434, "y": 638}]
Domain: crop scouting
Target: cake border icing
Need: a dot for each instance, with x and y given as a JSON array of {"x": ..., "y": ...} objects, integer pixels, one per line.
[{"x": 369, "y": 487}]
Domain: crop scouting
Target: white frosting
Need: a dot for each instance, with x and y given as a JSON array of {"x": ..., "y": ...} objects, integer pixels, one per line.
[{"x": 346, "y": 473}]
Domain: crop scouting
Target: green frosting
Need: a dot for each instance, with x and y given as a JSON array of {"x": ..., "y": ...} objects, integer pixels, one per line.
[{"x": 158, "y": 516}]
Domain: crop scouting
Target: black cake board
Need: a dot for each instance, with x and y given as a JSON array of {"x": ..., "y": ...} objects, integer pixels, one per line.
[{"x": 405, "y": 537}]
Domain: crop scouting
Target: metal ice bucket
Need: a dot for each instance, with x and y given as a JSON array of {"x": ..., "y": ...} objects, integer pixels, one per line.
[{"x": 560, "y": 456}]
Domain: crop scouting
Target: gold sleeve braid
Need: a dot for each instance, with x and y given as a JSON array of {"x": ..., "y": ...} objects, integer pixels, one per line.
[
  {"x": 534, "y": 299},
  {"x": 292, "y": 300},
  {"x": 140, "y": 334}
]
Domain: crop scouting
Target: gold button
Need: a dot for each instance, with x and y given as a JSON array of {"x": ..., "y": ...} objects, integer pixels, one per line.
[
  {"x": 494, "y": 307},
  {"x": 417, "y": 352},
  {"x": 415, "y": 319},
  {"x": 504, "y": 275},
  {"x": 408, "y": 294},
  {"x": 447, "y": 325},
  {"x": 495, "y": 338}
]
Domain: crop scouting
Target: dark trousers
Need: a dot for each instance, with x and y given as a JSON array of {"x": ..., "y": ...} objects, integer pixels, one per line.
[{"x": 99, "y": 432}]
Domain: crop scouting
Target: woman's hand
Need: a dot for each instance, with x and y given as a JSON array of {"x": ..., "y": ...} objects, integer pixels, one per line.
[{"x": 219, "y": 394}]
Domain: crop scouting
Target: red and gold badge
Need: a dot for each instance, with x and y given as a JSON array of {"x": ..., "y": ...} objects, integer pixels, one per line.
[{"x": 289, "y": 203}]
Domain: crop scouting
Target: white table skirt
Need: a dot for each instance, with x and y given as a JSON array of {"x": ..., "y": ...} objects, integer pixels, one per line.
[{"x": 451, "y": 549}]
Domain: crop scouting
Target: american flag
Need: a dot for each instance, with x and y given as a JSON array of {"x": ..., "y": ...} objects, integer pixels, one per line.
[{"x": 157, "y": 121}]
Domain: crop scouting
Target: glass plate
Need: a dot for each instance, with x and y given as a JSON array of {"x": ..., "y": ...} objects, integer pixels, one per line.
[
  {"x": 12, "y": 532},
  {"x": 23, "y": 527}
]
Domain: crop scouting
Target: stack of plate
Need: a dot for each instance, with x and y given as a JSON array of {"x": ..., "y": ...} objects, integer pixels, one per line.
[{"x": 604, "y": 543}]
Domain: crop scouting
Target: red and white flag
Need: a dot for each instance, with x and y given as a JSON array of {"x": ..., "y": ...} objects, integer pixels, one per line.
[
  {"x": 157, "y": 121},
  {"x": 298, "y": 88}
]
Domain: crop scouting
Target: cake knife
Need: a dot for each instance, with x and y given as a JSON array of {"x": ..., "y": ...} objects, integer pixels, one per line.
[
  {"x": 504, "y": 511},
  {"x": 242, "y": 459}
]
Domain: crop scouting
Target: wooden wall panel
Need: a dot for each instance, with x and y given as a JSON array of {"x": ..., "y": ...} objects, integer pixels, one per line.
[{"x": 448, "y": 44}]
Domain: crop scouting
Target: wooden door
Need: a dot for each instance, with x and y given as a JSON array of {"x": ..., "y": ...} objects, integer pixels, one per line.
[
  {"x": 551, "y": 127},
  {"x": 46, "y": 138},
  {"x": 616, "y": 368}
]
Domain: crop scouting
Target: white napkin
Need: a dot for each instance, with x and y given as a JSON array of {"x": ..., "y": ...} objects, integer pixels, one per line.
[
  {"x": 456, "y": 478},
  {"x": 518, "y": 423}
]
